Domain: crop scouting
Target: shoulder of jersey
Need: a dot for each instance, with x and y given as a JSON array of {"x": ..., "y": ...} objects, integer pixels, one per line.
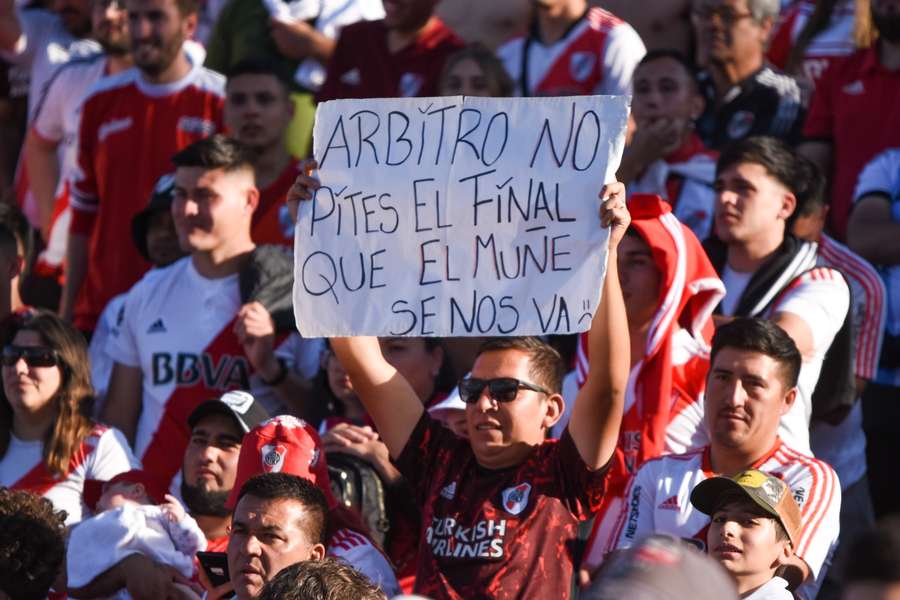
[
  {"x": 210, "y": 80},
  {"x": 603, "y": 20},
  {"x": 111, "y": 83},
  {"x": 803, "y": 458},
  {"x": 782, "y": 83},
  {"x": 676, "y": 458},
  {"x": 145, "y": 286},
  {"x": 347, "y": 539}
]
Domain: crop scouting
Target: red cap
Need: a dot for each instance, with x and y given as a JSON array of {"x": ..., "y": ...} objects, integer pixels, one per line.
[
  {"x": 283, "y": 444},
  {"x": 94, "y": 488}
]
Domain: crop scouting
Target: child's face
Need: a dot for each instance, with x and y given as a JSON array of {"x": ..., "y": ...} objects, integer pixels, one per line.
[
  {"x": 745, "y": 541},
  {"x": 119, "y": 494}
]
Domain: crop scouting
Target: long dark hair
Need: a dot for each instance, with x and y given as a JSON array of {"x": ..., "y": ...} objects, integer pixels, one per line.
[{"x": 72, "y": 400}]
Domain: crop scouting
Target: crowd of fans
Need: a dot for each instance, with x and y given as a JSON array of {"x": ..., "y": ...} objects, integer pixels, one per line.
[{"x": 728, "y": 427}]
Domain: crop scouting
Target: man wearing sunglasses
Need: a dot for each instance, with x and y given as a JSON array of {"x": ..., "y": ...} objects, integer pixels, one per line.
[{"x": 500, "y": 512}]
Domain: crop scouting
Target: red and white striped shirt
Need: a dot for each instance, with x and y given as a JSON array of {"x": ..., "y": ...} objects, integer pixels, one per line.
[
  {"x": 658, "y": 501},
  {"x": 596, "y": 56}
]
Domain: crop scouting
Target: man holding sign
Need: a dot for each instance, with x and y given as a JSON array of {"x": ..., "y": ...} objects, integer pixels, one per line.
[{"x": 500, "y": 513}]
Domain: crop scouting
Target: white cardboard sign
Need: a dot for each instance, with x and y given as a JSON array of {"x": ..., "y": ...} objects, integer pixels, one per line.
[{"x": 456, "y": 216}]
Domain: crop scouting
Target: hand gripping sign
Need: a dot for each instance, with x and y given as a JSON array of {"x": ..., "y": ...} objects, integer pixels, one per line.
[{"x": 456, "y": 216}]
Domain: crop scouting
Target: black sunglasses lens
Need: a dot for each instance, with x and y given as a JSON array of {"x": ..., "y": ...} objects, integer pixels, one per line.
[
  {"x": 470, "y": 389},
  {"x": 34, "y": 357},
  {"x": 504, "y": 390}
]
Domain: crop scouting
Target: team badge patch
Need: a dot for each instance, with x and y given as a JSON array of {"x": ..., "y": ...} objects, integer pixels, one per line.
[
  {"x": 515, "y": 499},
  {"x": 410, "y": 84},
  {"x": 273, "y": 458},
  {"x": 740, "y": 124},
  {"x": 581, "y": 65}
]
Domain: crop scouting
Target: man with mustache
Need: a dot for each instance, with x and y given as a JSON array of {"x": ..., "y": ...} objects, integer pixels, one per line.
[
  {"x": 752, "y": 383},
  {"x": 852, "y": 118},
  {"x": 131, "y": 125},
  {"x": 745, "y": 96}
]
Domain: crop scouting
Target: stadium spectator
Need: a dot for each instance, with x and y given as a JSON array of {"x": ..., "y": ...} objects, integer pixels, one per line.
[
  {"x": 37, "y": 40},
  {"x": 664, "y": 155},
  {"x": 811, "y": 35},
  {"x": 297, "y": 40},
  {"x": 122, "y": 152},
  {"x": 873, "y": 233},
  {"x": 208, "y": 474},
  {"x": 405, "y": 53},
  {"x": 12, "y": 219},
  {"x": 754, "y": 524},
  {"x": 570, "y": 50},
  {"x": 201, "y": 327},
  {"x": 670, "y": 290},
  {"x": 873, "y": 572},
  {"x": 751, "y": 383},
  {"x": 153, "y": 233},
  {"x": 48, "y": 444},
  {"x": 288, "y": 445},
  {"x": 663, "y": 25},
  {"x": 848, "y": 122},
  {"x": 513, "y": 399},
  {"x": 326, "y": 579},
  {"x": 744, "y": 95},
  {"x": 32, "y": 544},
  {"x": 842, "y": 443},
  {"x": 52, "y": 139},
  {"x": 257, "y": 112},
  {"x": 279, "y": 520},
  {"x": 769, "y": 273},
  {"x": 132, "y": 514}
]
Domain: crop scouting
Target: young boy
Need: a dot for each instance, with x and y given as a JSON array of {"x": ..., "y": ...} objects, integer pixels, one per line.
[
  {"x": 133, "y": 514},
  {"x": 755, "y": 524}
]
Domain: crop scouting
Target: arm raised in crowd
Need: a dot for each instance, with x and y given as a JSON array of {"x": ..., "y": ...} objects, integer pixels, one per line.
[{"x": 597, "y": 413}]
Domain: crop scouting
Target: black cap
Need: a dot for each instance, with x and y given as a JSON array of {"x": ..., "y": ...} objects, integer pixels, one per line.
[
  {"x": 239, "y": 405},
  {"x": 160, "y": 201}
]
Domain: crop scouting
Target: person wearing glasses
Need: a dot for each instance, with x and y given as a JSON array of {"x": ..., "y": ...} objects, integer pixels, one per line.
[
  {"x": 48, "y": 444},
  {"x": 500, "y": 511},
  {"x": 745, "y": 95}
]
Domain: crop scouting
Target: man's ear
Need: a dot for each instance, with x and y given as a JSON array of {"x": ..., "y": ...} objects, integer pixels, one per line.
[
  {"x": 317, "y": 552},
  {"x": 788, "y": 206},
  {"x": 784, "y": 554},
  {"x": 252, "y": 198},
  {"x": 555, "y": 407},
  {"x": 789, "y": 399}
]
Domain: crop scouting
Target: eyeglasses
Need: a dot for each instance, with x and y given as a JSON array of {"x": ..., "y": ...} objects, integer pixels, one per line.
[
  {"x": 726, "y": 16},
  {"x": 35, "y": 356},
  {"x": 501, "y": 389}
]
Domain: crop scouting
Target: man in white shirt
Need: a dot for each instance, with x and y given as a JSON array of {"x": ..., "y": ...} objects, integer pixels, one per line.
[{"x": 752, "y": 383}]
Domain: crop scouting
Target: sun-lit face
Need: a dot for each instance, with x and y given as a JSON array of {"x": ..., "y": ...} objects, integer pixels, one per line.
[
  {"x": 750, "y": 204},
  {"x": 640, "y": 280},
  {"x": 726, "y": 32},
  {"x": 157, "y": 30},
  {"x": 212, "y": 208},
  {"x": 30, "y": 389},
  {"x": 745, "y": 400},
  {"x": 502, "y": 434},
  {"x": 663, "y": 89},
  {"x": 745, "y": 540},
  {"x": 267, "y": 536},
  {"x": 110, "y": 26},
  {"x": 257, "y": 110}
]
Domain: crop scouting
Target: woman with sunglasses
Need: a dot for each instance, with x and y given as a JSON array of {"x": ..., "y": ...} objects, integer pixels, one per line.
[{"x": 48, "y": 444}]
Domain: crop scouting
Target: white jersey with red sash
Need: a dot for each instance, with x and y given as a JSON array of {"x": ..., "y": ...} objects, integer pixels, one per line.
[
  {"x": 658, "y": 501},
  {"x": 103, "y": 454},
  {"x": 597, "y": 55},
  {"x": 178, "y": 328}
]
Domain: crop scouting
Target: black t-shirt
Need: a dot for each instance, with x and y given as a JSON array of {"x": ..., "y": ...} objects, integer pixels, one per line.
[{"x": 765, "y": 103}]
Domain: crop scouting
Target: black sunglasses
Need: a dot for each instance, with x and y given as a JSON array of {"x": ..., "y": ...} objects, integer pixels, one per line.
[
  {"x": 35, "y": 356},
  {"x": 501, "y": 389}
]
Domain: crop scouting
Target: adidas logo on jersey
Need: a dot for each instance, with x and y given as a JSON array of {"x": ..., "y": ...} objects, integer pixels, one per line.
[
  {"x": 670, "y": 504},
  {"x": 157, "y": 327},
  {"x": 449, "y": 491}
]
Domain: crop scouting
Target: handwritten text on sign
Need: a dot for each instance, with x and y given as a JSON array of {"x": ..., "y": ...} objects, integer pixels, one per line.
[{"x": 456, "y": 217}]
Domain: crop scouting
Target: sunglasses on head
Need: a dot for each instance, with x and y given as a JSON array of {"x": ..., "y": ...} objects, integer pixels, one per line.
[
  {"x": 35, "y": 356},
  {"x": 501, "y": 389}
]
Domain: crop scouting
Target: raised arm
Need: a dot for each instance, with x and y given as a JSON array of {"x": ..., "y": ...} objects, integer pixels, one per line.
[
  {"x": 388, "y": 397},
  {"x": 597, "y": 412}
]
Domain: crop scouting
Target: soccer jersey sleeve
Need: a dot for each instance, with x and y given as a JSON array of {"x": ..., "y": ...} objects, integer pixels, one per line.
[
  {"x": 112, "y": 456},
  {"x": 821, "y": 298},
  {"x": 48, "y": 116},
  {"x": 122, "y": 346},
  {"x": 880, "y": 176},
  {"x": 818, "y": 492},
  {"x": 84, "y": 197},
  {"x": 624, "y": 50},
  {"x": 636, "y": 519},
  {"x": 581, "y": 487},
  {"x": 429, "y": 446}
]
